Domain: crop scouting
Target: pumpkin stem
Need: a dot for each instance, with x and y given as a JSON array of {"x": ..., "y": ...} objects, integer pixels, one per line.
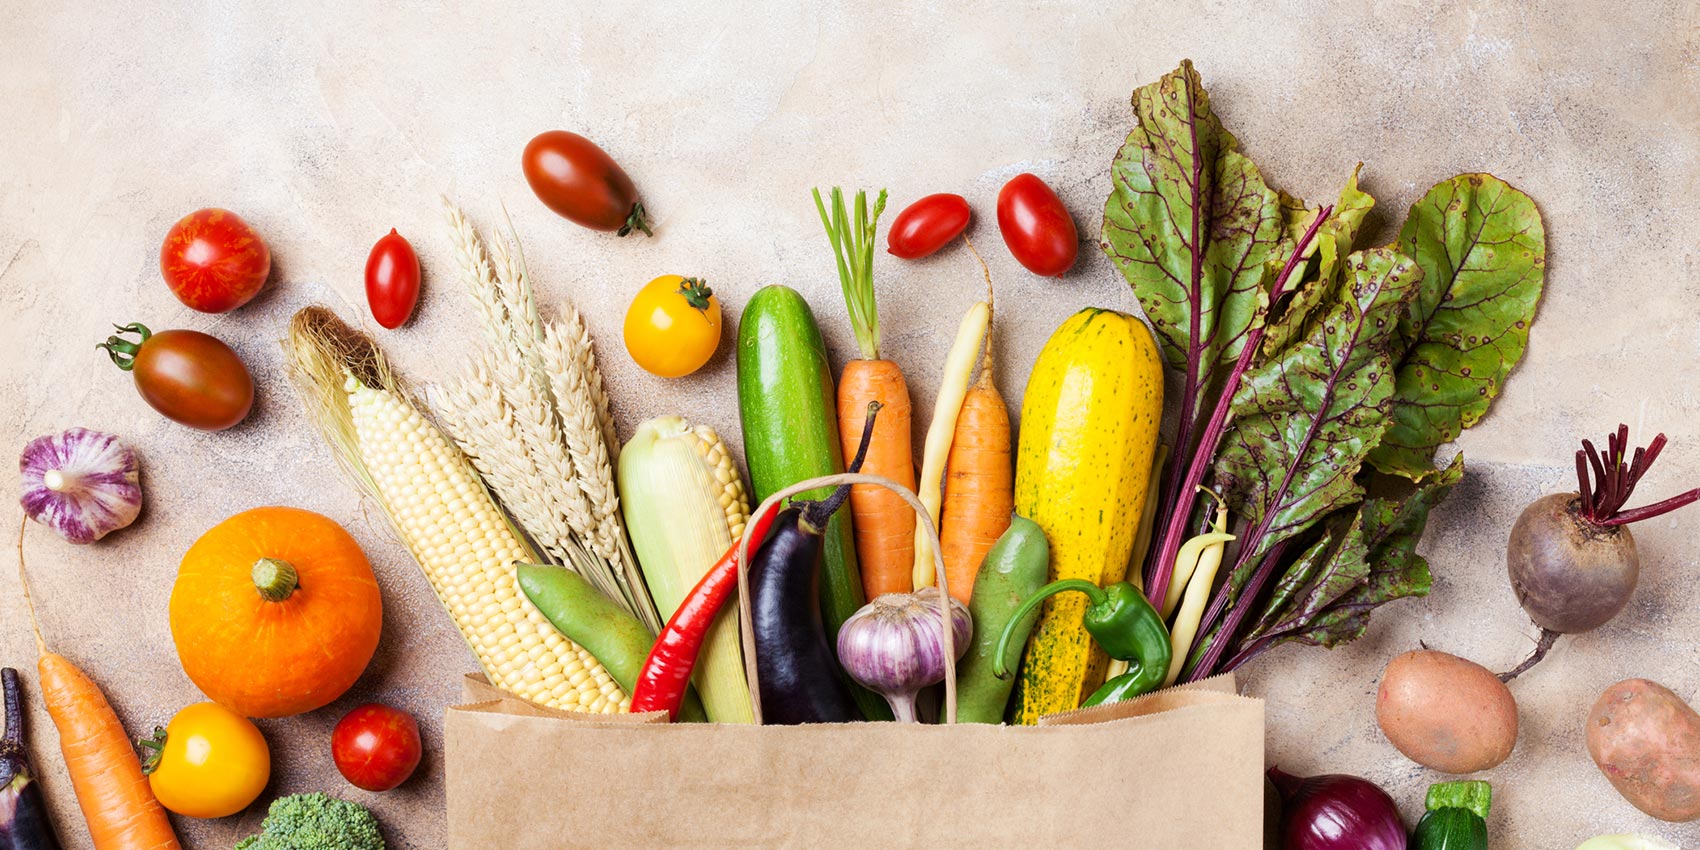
[{"x": 275, "y": 579}]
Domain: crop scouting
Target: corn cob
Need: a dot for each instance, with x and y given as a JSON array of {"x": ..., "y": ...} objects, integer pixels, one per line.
[
  {"x": 684, "y": 504},
  {"x": 464, "y": 544}
]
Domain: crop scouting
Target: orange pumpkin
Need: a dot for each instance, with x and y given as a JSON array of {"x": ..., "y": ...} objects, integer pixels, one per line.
[{"x": 275, "y": 612}]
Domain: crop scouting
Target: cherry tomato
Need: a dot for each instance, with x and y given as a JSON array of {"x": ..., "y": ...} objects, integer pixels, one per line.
[
  {"x": 582, "y": 183},
  {"x": 213, "y": 261},
  {"x": 392, "y": 280},
  {"x": 208, "y": 762},
  {"x": 673, "y": 325},
  {"x": 1036, "y": 226},
  {"x": 189, "y": 377},
  {"x": 927, "y": 225},
  {"x": 376, "y": 747}
]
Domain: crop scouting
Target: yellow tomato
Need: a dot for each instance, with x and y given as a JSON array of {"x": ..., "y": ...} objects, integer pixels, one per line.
[
  {"x": 212, "y": 762},
  {"x": 673, "y": 325}
]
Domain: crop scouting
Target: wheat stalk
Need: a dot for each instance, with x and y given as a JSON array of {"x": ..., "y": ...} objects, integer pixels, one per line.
[
  {"x": 477, "y": 274},
  {"x": 534, "y": 416},
  {"x": 580, "y": 344},
  {"x": 481, "y": 424},
  {"x": 566, "y": 366}
]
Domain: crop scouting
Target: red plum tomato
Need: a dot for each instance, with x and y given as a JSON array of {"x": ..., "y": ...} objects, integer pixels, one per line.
[
  {"x": 392, "y": 280},
  {"x": 927, "y": 225},
  {"x": 582, "y": 183},
  {"x": 1037, "y": 227}
]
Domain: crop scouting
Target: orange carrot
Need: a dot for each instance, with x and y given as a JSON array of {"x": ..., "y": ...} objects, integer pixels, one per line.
[
  {"x": 117, "y": 802},
  {"x": 979, "y": 492},
  {"x": 883, "y": 522},
  {"x": 884, "y": 525}
]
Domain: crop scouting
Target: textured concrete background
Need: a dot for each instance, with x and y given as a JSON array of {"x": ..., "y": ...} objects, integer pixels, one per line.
[{"x": 327, "y": 125}]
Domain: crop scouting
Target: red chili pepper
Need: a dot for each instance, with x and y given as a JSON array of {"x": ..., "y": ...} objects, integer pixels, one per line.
[{"x": 667, "y": 673}]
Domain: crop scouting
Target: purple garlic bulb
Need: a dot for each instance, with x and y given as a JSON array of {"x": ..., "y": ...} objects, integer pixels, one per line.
[
  {"x": 80, "y": 483},
  {"x": 895, "y": 645}
]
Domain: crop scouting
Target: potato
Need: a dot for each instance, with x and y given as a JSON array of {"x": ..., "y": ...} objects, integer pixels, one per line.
[
  {"x": 1646, "y": 740},
  {"x": 1446, "y": 713}
]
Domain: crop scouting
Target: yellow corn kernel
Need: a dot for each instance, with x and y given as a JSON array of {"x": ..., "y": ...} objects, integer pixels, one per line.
[{"x": 467, "y": 549}]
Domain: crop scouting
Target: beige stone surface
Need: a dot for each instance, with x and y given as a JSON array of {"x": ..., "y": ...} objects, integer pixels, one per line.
[{"x": 326, "y": 125}]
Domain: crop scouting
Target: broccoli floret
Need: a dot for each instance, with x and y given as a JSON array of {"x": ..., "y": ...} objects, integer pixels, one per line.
[{"x": 315, "y": 822}]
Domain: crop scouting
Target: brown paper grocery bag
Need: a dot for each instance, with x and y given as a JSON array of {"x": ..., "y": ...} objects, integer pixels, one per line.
[{"x": 1176, "y": 770}]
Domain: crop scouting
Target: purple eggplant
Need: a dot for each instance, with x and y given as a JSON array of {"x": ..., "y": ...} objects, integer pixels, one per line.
[
  {"x": 24, "y": 823},
  {"x": 800, "y": 678}
]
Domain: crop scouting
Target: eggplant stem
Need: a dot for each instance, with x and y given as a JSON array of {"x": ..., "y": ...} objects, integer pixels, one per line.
[
  {"x": 13, "y": 759},
  {"x": 1542, "y": 647},
  {"x": 816, "y": 514}
]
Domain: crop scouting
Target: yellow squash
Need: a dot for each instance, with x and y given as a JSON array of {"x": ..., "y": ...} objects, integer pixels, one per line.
[{"x": 1088, "y": 432}]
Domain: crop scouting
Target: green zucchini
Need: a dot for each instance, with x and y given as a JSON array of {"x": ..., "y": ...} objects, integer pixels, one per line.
[
  {"x": 1456, "y": 818},
  {"x": 1014, "y": 569},
  {"x": 607, "y": 631},
  {"x": 787, "y": 403}
]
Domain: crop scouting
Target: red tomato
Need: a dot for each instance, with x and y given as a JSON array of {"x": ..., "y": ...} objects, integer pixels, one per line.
[
  {"x": 582, "y": 183},
  {"x": 213, "y": 261},
  {"x": 376, "y": 747},
  {"x": 927, "y": 225},
  {"x": 392, "y": 280},
  {"x": 1036, "y": 226}
]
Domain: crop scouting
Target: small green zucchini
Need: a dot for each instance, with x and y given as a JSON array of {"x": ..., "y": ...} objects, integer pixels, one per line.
[
  {"x": 1014, "y": 569},
  {"x": 789, "y": 412},
  {"x": 1456, "y": 817}
]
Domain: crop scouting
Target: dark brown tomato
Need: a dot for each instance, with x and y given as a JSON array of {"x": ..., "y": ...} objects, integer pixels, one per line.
[
  {"x": 193, "y": 379},
  {"x": 582, "y": 183}
]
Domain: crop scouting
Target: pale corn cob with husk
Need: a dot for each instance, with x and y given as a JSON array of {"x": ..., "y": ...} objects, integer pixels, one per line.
[
  {"x": 684, "y": 505},
  {"x": 438, "y": 504}
]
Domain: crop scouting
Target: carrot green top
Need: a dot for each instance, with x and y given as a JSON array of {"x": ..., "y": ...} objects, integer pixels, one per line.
[{"x": 853, "y": 245}]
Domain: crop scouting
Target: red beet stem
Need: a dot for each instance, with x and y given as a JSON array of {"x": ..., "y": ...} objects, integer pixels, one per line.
[
  {"x": 1583, "y": 488},
  {"x": 1650, "y": 511},
  {"x": 1182, "y": 492},
  {"x": 1613, "y": 482}
]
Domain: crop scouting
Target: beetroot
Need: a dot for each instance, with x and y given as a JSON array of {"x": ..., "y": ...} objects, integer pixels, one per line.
[{"x": 1571, "y": 558}]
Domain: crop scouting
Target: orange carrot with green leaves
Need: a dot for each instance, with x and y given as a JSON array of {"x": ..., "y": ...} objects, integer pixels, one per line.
[
  {"x": 979, "y": 490},
  {"x": 883, "y": 523},
  {"x": 117, "y": 801}
]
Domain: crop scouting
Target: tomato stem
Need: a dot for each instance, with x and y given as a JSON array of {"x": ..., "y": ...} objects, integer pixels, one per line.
[
  {"x": 121, "y": 350},
  {"x": 153, "y": 749},
  {"x": 636, "y": 221},
  {"x": 696, "y": 293}
]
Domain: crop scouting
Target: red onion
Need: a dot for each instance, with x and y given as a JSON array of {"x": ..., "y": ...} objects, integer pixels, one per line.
[{"x": 1336, "y": 812}]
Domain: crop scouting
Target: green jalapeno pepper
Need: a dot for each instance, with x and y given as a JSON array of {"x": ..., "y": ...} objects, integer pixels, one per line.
[{"x": 1123, "y": 622}]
